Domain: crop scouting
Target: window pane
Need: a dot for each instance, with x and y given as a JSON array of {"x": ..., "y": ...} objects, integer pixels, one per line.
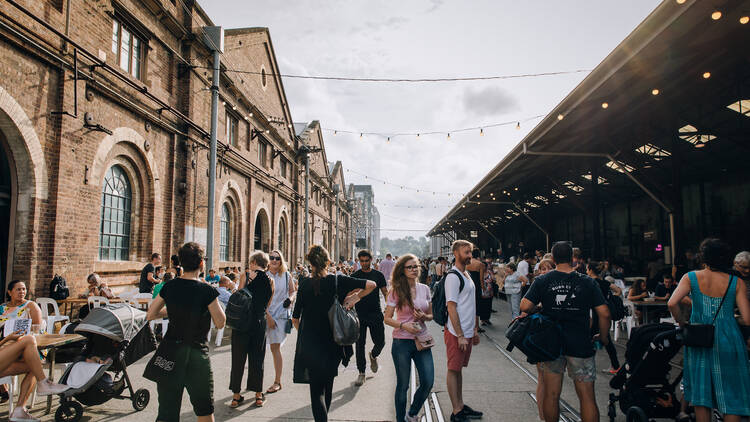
[
  {"x": 115, "y": 216},
  {"x": 115, "y": 37},
  {"x": 136, "y": 71},
  {"x": 125, "y": 50}
]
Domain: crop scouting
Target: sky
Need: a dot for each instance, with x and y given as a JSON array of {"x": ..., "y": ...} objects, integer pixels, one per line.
[{"x": 429, "y": 39}]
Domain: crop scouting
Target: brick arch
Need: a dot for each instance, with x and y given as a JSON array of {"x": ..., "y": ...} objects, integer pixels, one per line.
[
  {"x": 230, "y": 193},
  {"x": 25, "y": 147},
  {"x": 284, "y": 216},
  {"x": 259, "y": 210},
  {"x": 133, "y": 138}
]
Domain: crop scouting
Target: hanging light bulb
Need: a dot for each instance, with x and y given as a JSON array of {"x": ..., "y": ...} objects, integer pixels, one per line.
[
  {"x": 251, "y": 114},
  {"x": 560, "y": 117},
  {"x": 518, "y": 125},
  {"x": 654, "y": 91},
  {"x": 234, "y": 107},
  {"x": 417, "y": 136},
  {"x": 605, "y": 105},
  {"x": 481, "y": 132},
  {"x": 360, "y": 136},
  {"x": 389, "y": 140},
  {"x": 449, "y": 136},
  {"x": 744, "y": 19},
  {"x": 335, "y": 132},
  {"x": 716, "y": 15},
  {"x": 706, "y": 75}
]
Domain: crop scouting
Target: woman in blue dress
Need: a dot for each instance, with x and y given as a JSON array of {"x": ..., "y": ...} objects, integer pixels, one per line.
[{"x": 716, "y": 377}]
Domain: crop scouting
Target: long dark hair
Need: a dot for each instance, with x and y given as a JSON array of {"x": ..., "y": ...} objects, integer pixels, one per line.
[{"x": 400, "y": 283}]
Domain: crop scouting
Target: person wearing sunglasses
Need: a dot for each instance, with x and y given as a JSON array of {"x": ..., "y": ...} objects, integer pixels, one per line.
[{"x": 278, "y": 325}]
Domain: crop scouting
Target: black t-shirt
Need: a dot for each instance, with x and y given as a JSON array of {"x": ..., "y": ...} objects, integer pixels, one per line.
[
  {"x": 662, "y": 290},
  {"x": 145, "y": 286},
  {"x": 603, "y": 287},
  {"x": 370, "y": 304},
  {"x": 260, "y": 287},
  {"x": 551, "y": 290},
  {"x": 187, "y": 308}
]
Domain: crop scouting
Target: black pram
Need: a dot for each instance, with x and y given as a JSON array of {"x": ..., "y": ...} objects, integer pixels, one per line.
[
  {"x": 645, "y": 390},
  {"x": 118, "y": 335}
]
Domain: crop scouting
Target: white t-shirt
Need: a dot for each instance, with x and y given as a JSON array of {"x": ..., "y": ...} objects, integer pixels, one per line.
[
  {"x": 465, "y": 301},
  {"x": 523, "y": 268}
]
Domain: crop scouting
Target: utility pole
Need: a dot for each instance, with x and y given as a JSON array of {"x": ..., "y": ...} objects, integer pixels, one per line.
[
  {"x": 214, "y": 39},
  {"x": 305, "y": 150},
  {"x": 336, "y": 241}
]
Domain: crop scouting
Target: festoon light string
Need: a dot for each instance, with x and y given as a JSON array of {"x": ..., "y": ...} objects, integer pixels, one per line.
[{"x": 404, "y": 187}]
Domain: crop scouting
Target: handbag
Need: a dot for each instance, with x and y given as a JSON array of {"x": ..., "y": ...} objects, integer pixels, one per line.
[
  {"x": 344, "y": 323},
  {"x": 163, "y": 363},
  {"x": 702, "y": 335},
  {"x": 424, "y": 339}
]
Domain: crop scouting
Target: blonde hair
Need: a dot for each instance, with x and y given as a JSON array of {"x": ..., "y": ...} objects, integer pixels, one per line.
[
  {"x": 260, "y": 259},
  {"x": 460, "y": 243},
  {"x": 282, "y": 268},
  {"x": 547, "y": 263}
]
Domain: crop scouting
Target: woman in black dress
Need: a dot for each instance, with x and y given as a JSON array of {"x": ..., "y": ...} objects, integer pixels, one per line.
[{"x": 317, "y": 357}]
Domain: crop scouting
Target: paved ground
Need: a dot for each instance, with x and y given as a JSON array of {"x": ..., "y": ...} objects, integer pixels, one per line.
[{"x": 493, "y": 383}]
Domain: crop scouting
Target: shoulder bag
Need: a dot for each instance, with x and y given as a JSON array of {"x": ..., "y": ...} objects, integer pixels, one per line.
[
  {"x": 162, "y": 364},
  {"x": 702, "y": 335},
  {"x": 286, "y": 304},
  {"x": 344, "y": 323}
]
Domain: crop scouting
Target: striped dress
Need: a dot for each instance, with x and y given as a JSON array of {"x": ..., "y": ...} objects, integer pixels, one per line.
[{"x": 717, "y": 377}]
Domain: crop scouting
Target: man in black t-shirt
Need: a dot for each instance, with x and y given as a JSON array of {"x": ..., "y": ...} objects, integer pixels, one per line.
[
  {"x": 568, "y": 297},
  {"x": 148, "y": 277},
  {"x": 665, "y": 289},
  {"x": 370, "y": 316}
]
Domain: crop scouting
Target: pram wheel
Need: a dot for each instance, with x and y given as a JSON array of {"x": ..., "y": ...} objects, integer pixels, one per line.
[
  {"x": 69, "y": 411},
  {"x": 140, "y": 399},
  {"x": 636, "y": 414}
]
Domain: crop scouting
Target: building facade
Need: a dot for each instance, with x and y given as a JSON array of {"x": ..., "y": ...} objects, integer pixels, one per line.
[
  {"x": 104, "y": 122},
  {"x": 366, "y": 218}
]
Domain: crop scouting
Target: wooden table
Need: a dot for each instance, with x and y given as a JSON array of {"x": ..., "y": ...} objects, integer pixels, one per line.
[
  {"x": 649, "y": 304},
  {"x": 52, "y": 342},
  {"x": 67, "y": 306}
]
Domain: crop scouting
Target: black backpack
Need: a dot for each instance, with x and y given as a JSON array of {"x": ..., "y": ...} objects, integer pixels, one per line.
[
  {"x": 58, "y": 288},
  {"x": 439, "y": 307},
  {"x": 616, "y": 307},
  {"x": 239, "y": 311}
]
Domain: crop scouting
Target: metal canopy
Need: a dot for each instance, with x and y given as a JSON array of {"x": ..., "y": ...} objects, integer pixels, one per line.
[{"x": 688, "y": 120}]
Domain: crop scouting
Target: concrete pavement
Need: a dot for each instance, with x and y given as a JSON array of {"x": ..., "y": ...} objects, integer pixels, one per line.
[{"x": 496, "y": 382}]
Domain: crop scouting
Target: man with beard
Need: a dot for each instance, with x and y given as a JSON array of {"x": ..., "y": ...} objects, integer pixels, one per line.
[{"x": 461, "y": 330}]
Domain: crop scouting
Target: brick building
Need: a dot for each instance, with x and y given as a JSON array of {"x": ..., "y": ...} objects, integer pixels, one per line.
[{"x": 104, "y": 122}]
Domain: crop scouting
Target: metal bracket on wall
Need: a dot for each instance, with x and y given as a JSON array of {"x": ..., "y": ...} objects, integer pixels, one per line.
[{"x": 75, "y": 90}]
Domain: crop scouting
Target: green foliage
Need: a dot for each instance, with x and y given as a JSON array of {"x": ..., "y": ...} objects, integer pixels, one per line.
[{"x": 397, "y": 247}]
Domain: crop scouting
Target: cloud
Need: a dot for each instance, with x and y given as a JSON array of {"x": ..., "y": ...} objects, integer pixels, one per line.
[
  {"x": 490, "y": 101},
  {"x": 435, "y": 5}
]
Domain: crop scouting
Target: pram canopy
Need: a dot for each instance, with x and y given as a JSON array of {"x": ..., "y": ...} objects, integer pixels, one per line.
[{"x": 118, "y": 322}]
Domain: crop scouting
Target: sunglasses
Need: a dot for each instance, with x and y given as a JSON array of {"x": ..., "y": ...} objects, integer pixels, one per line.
[{"x": 275, "y": 258}]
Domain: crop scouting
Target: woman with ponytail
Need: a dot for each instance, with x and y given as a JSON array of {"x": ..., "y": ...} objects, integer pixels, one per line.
[{"x": 317, "y": 357}]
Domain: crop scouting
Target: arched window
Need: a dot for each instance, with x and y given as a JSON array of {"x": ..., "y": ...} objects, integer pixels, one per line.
[
  {"x": 224, "y": 234},
  {"x": 282, "y": 235},
  {"x": 114, "y": 232}
]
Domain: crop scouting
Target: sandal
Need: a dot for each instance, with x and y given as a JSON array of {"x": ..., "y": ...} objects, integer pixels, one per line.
[
  {"x": 259, "y": 400},
  {"x": 274, "y": 388},
  {"x": 236, "y": 402}
]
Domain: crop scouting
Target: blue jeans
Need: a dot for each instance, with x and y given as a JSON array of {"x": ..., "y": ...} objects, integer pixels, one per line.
[
  {"x": 515, "y": 304},
  {"x": 403, "y": 352}
]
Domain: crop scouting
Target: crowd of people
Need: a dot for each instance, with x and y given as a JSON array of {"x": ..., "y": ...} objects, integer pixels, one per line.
[{"x": 560, "y": 284}]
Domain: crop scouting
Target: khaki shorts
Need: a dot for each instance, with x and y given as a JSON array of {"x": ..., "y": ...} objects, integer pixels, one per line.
[{"x": 579, "y": 369}]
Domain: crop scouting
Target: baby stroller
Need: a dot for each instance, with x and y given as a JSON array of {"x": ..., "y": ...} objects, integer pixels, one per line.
[
  {"x": 645, "y": 391},
  {"x": 117, "y": 335}
]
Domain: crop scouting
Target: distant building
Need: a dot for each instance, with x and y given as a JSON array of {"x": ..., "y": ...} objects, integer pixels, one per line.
[{"x": 366, "y": 218}]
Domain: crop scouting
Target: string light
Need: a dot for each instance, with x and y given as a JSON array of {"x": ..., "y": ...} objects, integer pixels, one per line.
[
  {"x": 449, "y": 136},
  {"x": 744, "y": 20},
  {"x": 409, "y": 80},
  {"x": 716, "y": 15},
  {"x": 654, "y": 91},
  {"x": 605, "y": 105},
  {"x": 335, "y": 132},
  {"x": 389, "y": 140},
  {"x": 481, "y": 132},
  {"x": 518, "y": 125},
  {"x": 360, "y": 136},
  {"x": 706, "y": 75},
  {"x": 560, "y": 117}
]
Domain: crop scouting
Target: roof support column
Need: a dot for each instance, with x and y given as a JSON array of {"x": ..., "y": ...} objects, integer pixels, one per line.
[{"x": 596, "y": 224}]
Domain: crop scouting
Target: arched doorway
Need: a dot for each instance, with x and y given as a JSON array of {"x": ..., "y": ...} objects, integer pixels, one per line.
[
  {"x": 281, "y": 233},
  {"x": 262, "y": 238},
  {"x": 6, "y": 206}
]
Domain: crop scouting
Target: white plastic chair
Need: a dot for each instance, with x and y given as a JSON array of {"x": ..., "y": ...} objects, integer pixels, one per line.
[
  {"x": 163, "y": 322},
  {"x": 12, "y": 382},
  {"x": 97, "y": 301},
  {"x": 44, "y": 304},
  {"x": 128, "y": 293},
  {"x": 668, "y": 319}
]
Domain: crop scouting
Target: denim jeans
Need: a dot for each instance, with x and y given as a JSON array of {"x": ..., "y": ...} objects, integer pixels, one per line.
[
  {"x": 404, "y": 351},
  {"x": 515, "y": 305}
]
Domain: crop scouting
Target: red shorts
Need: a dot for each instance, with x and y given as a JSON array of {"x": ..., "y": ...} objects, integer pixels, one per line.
[{"x": 457, "y": 358}]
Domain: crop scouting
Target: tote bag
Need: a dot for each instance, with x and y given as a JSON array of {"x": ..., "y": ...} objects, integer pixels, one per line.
[{"x": 344, "y": 323}]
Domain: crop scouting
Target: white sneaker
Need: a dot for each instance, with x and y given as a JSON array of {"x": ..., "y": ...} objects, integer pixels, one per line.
[
  {"x": 21, "y": 415},
  {"x": 360, "y": 380},
  {"x": 373, "y": 363},
  {"x": 47, "y": 387}
]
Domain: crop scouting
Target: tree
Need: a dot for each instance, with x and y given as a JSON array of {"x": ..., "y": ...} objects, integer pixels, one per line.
[{"x": 397, "y": 247}]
